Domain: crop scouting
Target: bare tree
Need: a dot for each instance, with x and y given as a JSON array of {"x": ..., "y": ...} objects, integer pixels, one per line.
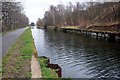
[
  {"x": 13, "y": 16},
  {"x": 82, "y": 14}
]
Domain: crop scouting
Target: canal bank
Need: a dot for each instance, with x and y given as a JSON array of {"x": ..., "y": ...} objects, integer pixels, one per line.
[
  {"x": 21, "y": 60},
  {"x": 78, "y": 56},
  {"x": 47, "y": 69},
  {"x": 108, "y": 32},
  {"x": 111, "y": 36}
]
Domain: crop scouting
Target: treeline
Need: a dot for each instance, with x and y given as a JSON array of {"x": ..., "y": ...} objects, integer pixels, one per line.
[
  {"x": 13, "y": 16},
  {"x": 81, "y": 14}
]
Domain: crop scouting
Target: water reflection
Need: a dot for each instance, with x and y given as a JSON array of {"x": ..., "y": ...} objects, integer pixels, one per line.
[{"x": 79, "y": 57}]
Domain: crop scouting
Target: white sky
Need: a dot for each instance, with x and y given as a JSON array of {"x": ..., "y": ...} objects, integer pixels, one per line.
[{"x": 35, "y": 9}]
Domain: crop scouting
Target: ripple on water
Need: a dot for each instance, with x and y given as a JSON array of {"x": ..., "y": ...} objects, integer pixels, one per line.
[{"x": 78, "y": 56}]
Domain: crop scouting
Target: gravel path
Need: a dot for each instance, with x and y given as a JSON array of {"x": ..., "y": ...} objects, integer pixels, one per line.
[{"x": 9, "y": 38}]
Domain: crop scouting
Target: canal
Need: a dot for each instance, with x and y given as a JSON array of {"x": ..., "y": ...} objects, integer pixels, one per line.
[{"x": 79, "y": 56}]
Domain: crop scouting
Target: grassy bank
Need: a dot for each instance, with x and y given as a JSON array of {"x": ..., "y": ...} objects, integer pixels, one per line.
[
  {"x": 46, "y": 72},
  {"x": 16, "y": 64}
]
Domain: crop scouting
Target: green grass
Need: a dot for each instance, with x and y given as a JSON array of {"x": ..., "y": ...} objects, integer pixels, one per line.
[
  {"x": 27, "y": 47},
  {"x": 46, "y": 72},
  {"x": 17, "y": 60}
]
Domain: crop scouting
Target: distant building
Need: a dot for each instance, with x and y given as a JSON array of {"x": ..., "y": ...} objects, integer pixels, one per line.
[{"x": 32, "y": 24}]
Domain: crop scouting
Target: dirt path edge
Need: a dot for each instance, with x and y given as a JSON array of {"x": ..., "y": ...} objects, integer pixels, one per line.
[{"x": 35, "y": 68}]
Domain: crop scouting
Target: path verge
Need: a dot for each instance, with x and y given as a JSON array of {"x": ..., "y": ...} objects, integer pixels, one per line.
[
  {"x": 17, "y": 62},
  {"x": 35, "y": 68}
]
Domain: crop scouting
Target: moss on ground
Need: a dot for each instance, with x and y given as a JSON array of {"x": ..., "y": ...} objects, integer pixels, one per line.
[{"x": 16, "y": 64}]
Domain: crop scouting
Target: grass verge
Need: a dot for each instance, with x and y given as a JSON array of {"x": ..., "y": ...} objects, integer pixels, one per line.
[
  {"x": 46, "y": 72},
  {"x": 16, "y": 64}
]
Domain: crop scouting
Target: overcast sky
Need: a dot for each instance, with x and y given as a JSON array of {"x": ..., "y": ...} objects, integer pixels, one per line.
[{"x": 35, "y": 9}]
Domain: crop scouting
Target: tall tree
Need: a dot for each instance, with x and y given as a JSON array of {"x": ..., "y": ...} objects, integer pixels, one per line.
[
  {"x": 82, "y": 14},
  {"x": 13, "y": 16}
]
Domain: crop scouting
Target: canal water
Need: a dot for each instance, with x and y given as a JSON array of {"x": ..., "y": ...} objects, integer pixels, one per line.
[{"x": 79, "y": 56}]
